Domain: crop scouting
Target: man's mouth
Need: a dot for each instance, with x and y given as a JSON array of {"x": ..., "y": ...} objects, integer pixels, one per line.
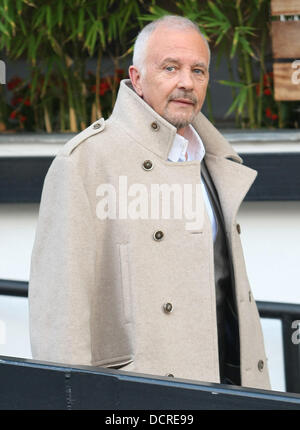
[{"x": 183, "y": 101}]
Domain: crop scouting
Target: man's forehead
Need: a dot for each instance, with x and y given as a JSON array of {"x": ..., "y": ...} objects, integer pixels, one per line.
[{"x": 167, "y": 42}]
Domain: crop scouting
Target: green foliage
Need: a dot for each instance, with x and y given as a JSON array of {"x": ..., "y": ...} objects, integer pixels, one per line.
[{"x": 58, "y": 37}]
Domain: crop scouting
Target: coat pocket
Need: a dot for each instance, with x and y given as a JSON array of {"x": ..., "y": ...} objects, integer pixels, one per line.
[{"x": 126, "y": 282}]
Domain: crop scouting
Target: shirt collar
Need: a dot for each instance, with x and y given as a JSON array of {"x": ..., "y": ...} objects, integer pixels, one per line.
[
  {"x": 132, "y": 114},
  {"x": 191, "y": 143}
]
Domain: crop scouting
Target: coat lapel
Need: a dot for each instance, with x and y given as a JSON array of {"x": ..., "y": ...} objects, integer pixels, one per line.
[
  {"x": 232, "y": 181},
  {"x": 231, "y": 178}
]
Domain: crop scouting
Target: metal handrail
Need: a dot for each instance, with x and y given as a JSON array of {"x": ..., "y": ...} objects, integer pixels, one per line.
[
  {"x": 286, "y": 312},
  {"x": 10, "y": 287}
]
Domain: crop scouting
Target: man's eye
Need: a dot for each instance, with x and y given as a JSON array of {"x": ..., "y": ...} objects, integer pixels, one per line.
[
  {"x": 199, "y": 71},
  {"x": 170, "y": 68}
]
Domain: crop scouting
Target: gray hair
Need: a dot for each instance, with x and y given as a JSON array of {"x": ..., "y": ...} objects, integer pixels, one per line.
[{"x": 171, "y": 21}]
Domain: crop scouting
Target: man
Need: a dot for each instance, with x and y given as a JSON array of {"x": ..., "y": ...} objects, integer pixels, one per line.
[{"x": 116, "y": 284}]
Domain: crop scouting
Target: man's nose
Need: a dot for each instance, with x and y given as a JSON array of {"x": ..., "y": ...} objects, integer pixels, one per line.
[{"x": 185, "y": 80}]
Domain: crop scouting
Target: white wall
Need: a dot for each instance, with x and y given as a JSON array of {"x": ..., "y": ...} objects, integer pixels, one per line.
[{"x": 271, "y": 241}]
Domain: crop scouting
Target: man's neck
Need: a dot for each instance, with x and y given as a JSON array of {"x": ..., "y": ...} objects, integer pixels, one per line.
[{"x": 181, "y": 131}]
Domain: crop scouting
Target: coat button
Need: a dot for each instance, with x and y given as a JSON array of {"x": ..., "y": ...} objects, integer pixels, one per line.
[
  {"x": 155, "y": 126},
  {"x": 158, "y": 235},
  {"x": 96, "y": 126},
  {"x": 238, "y": 227},
  {"x": 170, "y": 375},
  {"x": 147, "y": 165},
  {"x": 260, "y": 365},
  {"x": 168, "y": 307}
]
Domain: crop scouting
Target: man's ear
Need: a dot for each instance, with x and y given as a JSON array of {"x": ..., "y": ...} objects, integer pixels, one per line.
[{"x": 135, "y": 78}]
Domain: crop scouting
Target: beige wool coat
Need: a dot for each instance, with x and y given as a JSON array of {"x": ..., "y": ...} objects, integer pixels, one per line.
[{"x": 98, "y": 287}]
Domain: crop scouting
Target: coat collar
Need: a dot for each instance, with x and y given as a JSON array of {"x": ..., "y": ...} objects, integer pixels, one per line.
[
  {"x": 231, "y": 178},
  {"x": 155, "y": 133}
]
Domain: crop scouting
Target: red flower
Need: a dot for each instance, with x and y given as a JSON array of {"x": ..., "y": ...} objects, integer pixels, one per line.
[
  {"x": 22, "y": 118},
  {"x": 268, "y": 113},
  {"x": 13, "y": 83},
  {"x": 268, "y": 77},
  {"x": 257, "y": 88},
  {"x": 267, "y": 92},
  {"x": 27, "y": 102},
  {"x": 103, "y": 88},
  {"x": 13, "y": 114},
  {"x": 274, "y": 116}
]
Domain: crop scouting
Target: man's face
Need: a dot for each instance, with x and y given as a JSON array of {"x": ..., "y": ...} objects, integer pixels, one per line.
[{"x": 175, "y": 75}]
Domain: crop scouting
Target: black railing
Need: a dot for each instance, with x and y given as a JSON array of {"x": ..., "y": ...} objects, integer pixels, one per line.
[
  {"x": 287, "y": 313},
  {"x": 13, "y": 288},
  {"x": 29, "y": 384}
]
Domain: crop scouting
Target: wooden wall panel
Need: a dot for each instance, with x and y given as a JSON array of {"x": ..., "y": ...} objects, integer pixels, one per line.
[
  {"x": 286, "y": 39},
  {"x": 285, "y": 7},
  {"x": 285, "y": 82}
]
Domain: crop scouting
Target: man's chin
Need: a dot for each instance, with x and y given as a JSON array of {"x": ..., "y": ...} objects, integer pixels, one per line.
[
  {"x": 179, "y": 122},
  {"x": 179, "y": 119}
]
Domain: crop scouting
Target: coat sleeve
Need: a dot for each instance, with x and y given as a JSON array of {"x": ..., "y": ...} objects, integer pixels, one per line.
[{"x": 62, "y": 274}]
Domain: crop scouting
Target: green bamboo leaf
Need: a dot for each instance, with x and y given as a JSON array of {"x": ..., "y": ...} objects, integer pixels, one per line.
[
  {"x": 111, "y": 28},
  {"x": 92, "y": 17},
  {"x": 233, "y": 106},
  {"x": 91, "y": 38},
  {"x": 246, "y": 45},
  {"x": 222, "y": 34},
  {"x": 60, "y": 11},
  {"x": 39, "y": 16},
  {"x": 29, "y": 3},
  {"x": 101, "y": 34},
  {"x": 242, "y": 100},
  {"x": 19, "y": 4},
  {"x": 217, "y": 12},
  {"x": 4, "y": 29},
  {"x": 235, "y": 42},
  {"x": 80, "y": 23},
  {"x": 72, "y": 25},
  {"x": 125, "y": 18},
  {"x": 231, "y": 83},
  {"x": 5, "y": 15},
  {"x": 47, "y": 75},
  {"x": 11, "y": 10},
  {"x": 19, "y": 48},
  {"x": 36, "y": 45},
  {"x": 49, "y": 19}
]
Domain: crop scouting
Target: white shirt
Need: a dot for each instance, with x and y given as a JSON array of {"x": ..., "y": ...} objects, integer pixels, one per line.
[{"x": 192, "y": 144}]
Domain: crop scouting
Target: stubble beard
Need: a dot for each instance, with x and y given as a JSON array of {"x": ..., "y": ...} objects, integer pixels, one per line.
[{"x": 180, "y": 120}]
